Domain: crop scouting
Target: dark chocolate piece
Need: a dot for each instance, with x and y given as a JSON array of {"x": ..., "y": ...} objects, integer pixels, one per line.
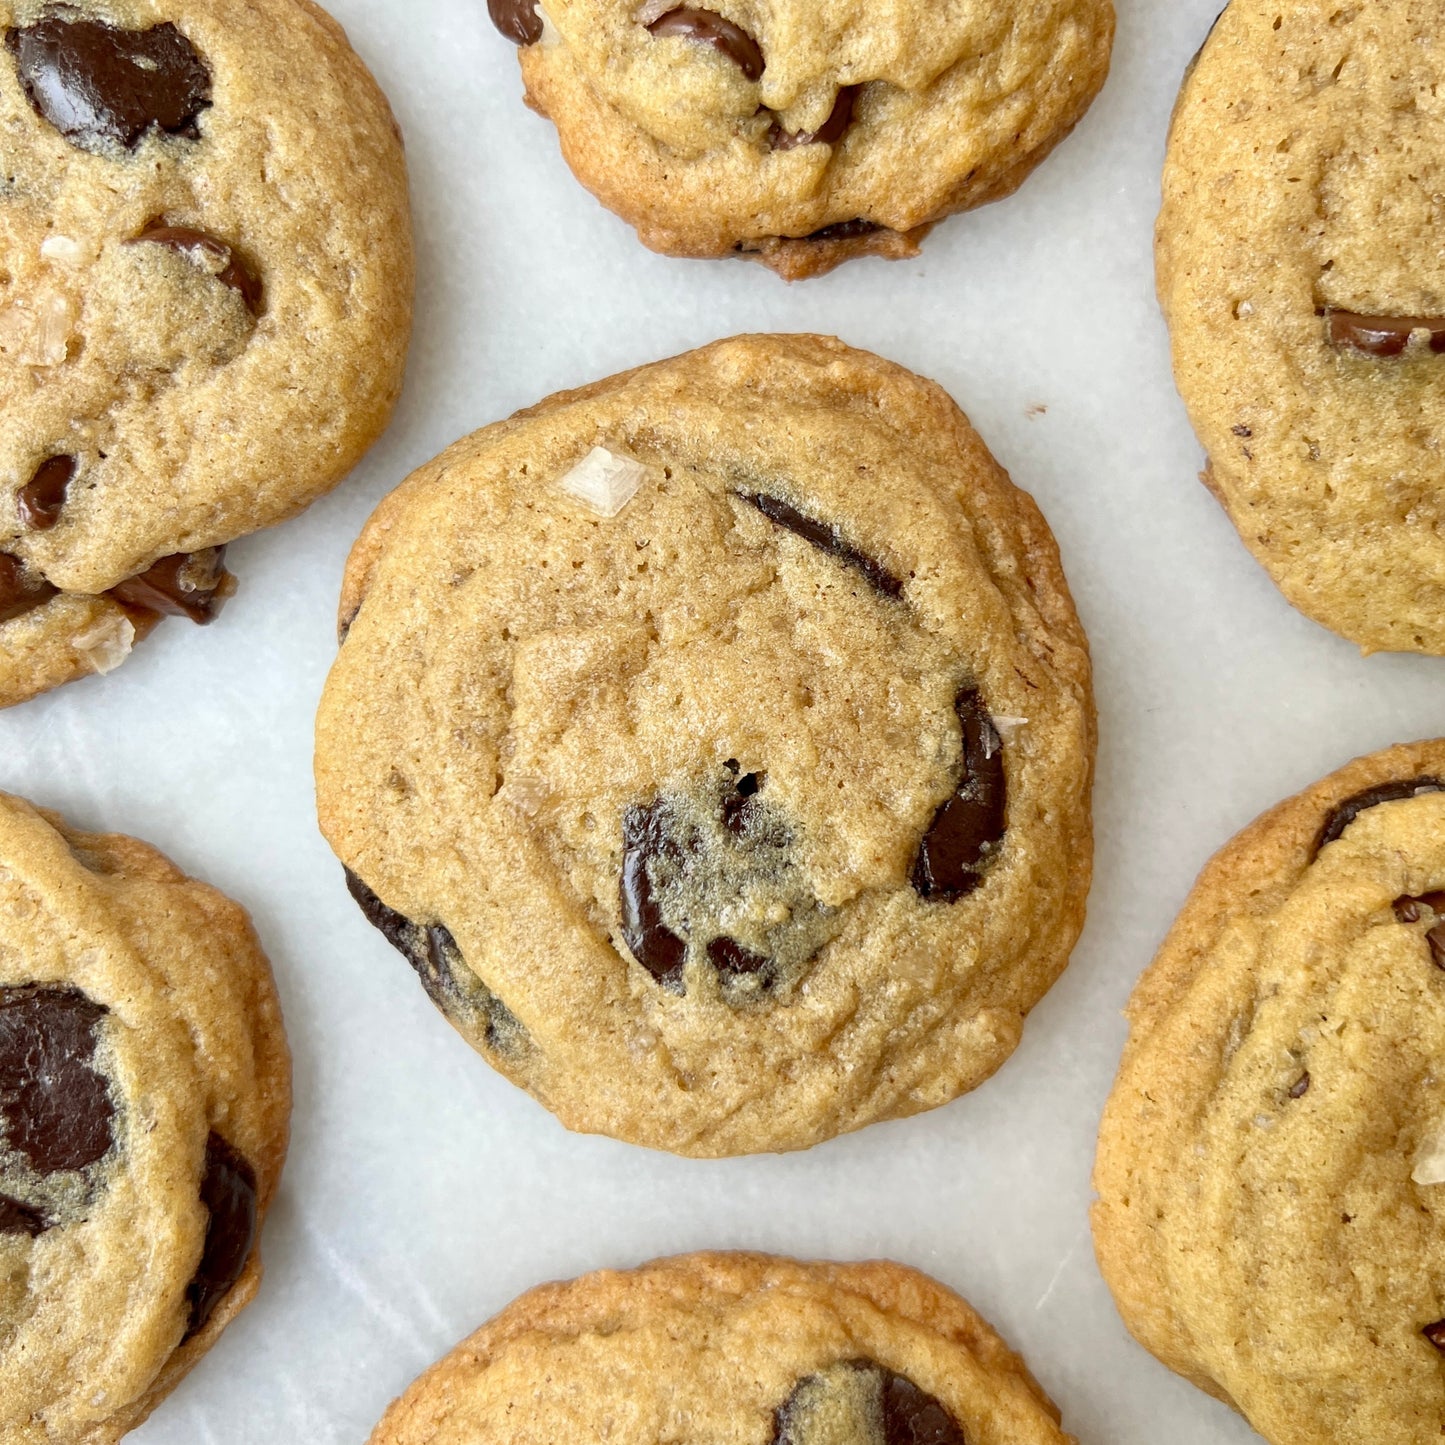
[
  {"x": 646, "y": 835},
  {"x": 434, "y": 954},
  {"x": 1383, "y": 335},
  {"x": 1436, "y": 1335},
  {"x": 189, "y": 584},
  {"x": 19, "y": 592},
  {"x": 1300, "y": 1087},
  {"x": 739, "y": 810},
  {"x": 908, "y": 1414},
  {"x": 839, "y": 119},
  {"x": 18, "y": 1218},
  {"x": 184, "y": 241},
  {"x": 967, "y": 829},
  {"x": 825, "y": 539},
  {"x": 40, "y": 500},
  {"x": 732, "y": 960},
  {"x": 228, "y": 1192},
  {"x": 100, "y": 85},
  {"x": 1345, "y": 813},
  {"x": 715, "y": 30},
  {"x": 518, "y": 20},
  {"x": 55, "y": 1106},
  {"x": 844, "y": 230}
]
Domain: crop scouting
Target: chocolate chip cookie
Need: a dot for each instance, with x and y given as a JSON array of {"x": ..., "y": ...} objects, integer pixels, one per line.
[
  {"x": 144, "y": 1099},
  {"x": 205, "y": 298},
  {"x": 1273, "y": 1154},
  {"x": 803, "y": 134},
  {"x": 1300, "y": 269},
  {"x": 716, "y": 743},
  {"x": 732, "y": 1349}
]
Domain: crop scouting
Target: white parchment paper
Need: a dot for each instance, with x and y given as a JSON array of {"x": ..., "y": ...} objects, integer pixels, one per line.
[{"x": 423, "y": 1193}]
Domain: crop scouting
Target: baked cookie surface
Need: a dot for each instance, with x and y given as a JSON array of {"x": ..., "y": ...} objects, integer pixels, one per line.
[
  {"x": 144, "y": 1105},
  {"x": 717, "y": 742},
  {"x": 205, "y": 300},
  {"x": 731, "y": 1349},
  {"x": 1273, "y": 1153},
  {"x": 805, "y": 132},
  {"x": 1301, "y": 274}
]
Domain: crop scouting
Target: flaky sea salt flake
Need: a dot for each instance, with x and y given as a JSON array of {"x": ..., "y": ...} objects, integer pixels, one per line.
[
  {"x": 62, "y": 248},
  {"x": 1430, "y": 1161},
  {"x": 604, "y": 481},
  {"x": 106, "y": 645}
]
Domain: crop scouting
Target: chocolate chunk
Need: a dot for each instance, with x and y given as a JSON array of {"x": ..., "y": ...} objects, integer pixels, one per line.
[
  {"x": 732, "y": 960},
  {"x": 1345, "y": 813},
  {"x": 825, "y": 539},
  {"x": 19, "y": 592},
  {"x": 967, "y": 829},
  {"x": 39, "y": 501},
  {"x": 1436, "y": 1335},
  {"x": 213, "y": 257},
  {"x": 18, "y": 1218},
  {"x": 1383, "y": 335},
  {"x": 1300, "y": 1087},
  {"x": 1412, "y": 910},
  {"x": 739, "y": 810},
  {"x": 715, "y": 30},
  {"x": 844, "y": 230},
  {"x": 189, "y": 584},
  {"x": 1436, "y": 939},
  {"x": 518, "y": 20},
  {"x": 99, "y": 85},
  {"x": 228, "y": 1193},
  {"x": 914, "y": 1417},
  {"x": 54, "y": 1105},
  {"x": 891, "y": 1404},
  {"x": 646, "y": 836},
  {"x": 434, "y": 954},
  {"x": 830, "y": 131}
]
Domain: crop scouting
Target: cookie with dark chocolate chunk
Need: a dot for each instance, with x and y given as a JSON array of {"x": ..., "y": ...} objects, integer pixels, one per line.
[
  {"x": 144, "y": 1106},
  {"x": 731, "y": 1347},
  {"x": 804, "y": 136},
  {"x": 1271, "y": 1164},
  {"x": 715, "y": 743},
  {"x": 205, "y": 301},
  {"x": 1301, "y": 272}
]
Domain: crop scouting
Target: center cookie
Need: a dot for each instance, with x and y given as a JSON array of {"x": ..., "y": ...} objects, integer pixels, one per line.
[
  {"x": 205, "y": 299},
  {"x": 716, "y": 742},
  {"x": 737, "y": 1349},
  {"x": 800, "y": 132},
  {"x": 144, "y": 1096}
]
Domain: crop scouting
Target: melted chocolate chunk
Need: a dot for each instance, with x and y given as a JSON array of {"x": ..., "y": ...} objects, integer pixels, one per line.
[
  {"x": 716, "y": 30},
  {"x": 433, "y": 953},
  {"x": 54, "y": 1105},
  {"x": 228, "y": 1193},
  {"x": 646, "y": 836},
  {"x": 18, "y": 1218},
  {"x": 229, "y": 268},
  {"x": 19, "y": 592},
  {"x": 40, "y": 500},
  {"x": 1345, "y": 813},
  {"x": 844, "y": 231},
  {"x": 739, "y": 810},
  {"x": 825, "y": 539},
  {"x": 99, "y": 85},
  {"x": 1436, "y": 1335},
  {"x": 903, "y": 1414},
  {"x": 1300, "y": 1087},
  {"x": 1383, "y": 335},
  {"x": 967, "y": 829},
  {"x": 732, "y": 960},
  {"x": 189, "y": 584},
  {"x": 839, "y": 119},
  {"x": 518, "y": 20}
]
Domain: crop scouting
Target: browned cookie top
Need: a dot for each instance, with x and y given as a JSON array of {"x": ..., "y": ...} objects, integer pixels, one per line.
[
  {"x": 205, "y": 297},
  {"x": 716, "y": 742},
  {"x": 144, "y": 1098},
  {"x": 731, "y": 1349}
]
